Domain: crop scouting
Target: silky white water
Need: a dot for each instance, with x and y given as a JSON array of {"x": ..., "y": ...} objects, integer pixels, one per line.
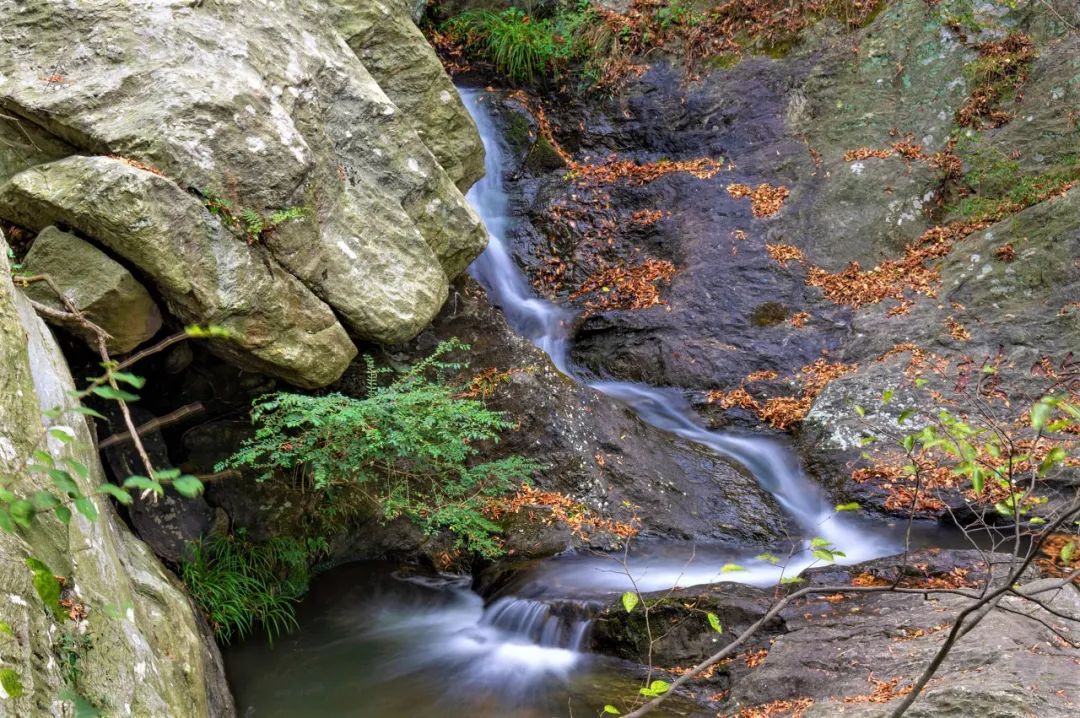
[{"x": 772, "y": 464}]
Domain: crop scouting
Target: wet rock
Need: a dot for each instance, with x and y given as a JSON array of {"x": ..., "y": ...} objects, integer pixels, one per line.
[
  {"x": 98, "y": 286},
  {"x": 831, "y": 648},
  {"x": 593, "y": 447}
]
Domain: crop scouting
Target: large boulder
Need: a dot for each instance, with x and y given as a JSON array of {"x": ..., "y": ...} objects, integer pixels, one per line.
[
  {"x": 140, "y": 648},
  {"x": 395, "y": 52},
  {"x": 96, "y": 285},
  {"x": 204, "y": 274},
  {"x": 264, "y": 106}
]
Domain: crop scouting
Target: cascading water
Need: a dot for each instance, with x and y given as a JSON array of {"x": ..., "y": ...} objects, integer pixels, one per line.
[
  {"x": 773, "y": 466},
  {"x": 376, "y": 645}
]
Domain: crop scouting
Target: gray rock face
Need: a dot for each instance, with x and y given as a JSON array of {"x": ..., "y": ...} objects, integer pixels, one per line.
[
  {"x": 98, "y": 286},
  {"x": 264, "y": 105},
  {"x": 205, "y": 274},
  {"x": 150, "y": 657},
  {"x": 396, "y": 54}
]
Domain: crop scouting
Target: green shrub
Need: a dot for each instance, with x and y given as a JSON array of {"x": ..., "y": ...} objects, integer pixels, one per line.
[
  {"x": 408, "y": 448},
  {"x": 239, "y": 583}
]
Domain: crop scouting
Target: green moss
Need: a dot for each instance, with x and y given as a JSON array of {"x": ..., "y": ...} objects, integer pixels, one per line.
[
  {"x": 542, "y": 157},
  {"x": 768, "y": 314}
]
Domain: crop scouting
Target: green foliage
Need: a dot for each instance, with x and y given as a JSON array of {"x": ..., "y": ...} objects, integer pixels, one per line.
[
  {"x": 630, "y": 601},
  {"x": 247, "y": 222},
  {"x": 654, "y": 689},
  {"x": 11, "y": 682},
  {"x": 47, "y": 587},
  {"x": 239, "y": 583},
  {"x": 408, "y": 448},
  {"x": 521, "y": 46}
]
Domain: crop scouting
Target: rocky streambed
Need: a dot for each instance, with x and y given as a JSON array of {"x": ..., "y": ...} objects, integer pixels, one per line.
[{"x": 704, "y": 287}]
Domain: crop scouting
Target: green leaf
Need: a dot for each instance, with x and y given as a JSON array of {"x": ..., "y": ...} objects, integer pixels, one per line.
[
  {"x": 1054, "y": 457},
  {"x": 45, "y": 500},
  {"x": 818, "y": 542},
  {"x": 791, "y": 579},
  {"x": 141, "y": 483},
  {"x": 86, "y": 507},
  {"x": 656, "y": 688},
  {"x": 22, "y": 512},
  {"x": 6, "y": 523},
  {"x": 1040, "y": 412},
  {"x": 11, "y": 683},
  {"x": 1067, "y": 552},
  {"x": 612, "y": 710},
  {"x": 728, "y": 567},
  {"x": 63, "y": 513},
  {"x": 78, "y": 468},
  {"x": 116, "y": 492},
  {"x": 768, "y": 557},
  {"x": 167, "y": 474},
  {"x": 978, "y": 481},
  {"x": 852, "y": 506},
  {"x": 63, "y": 434},
  {"x": 887, "y": 396},
  {"x": 107, "y": 392},
  {"x": 5, "y": 628},
  {"x": 905, "y": 415},
  {"x": 859, "y": 410},
  {"x": 87, "y": 411},
  {"x": 629, "y": 601},
  {"x": 822, "y": 554},
  {"x": 714, "y": 622},
  {"x": 64, "y": 482},
  {"x": 136, "y": 381},
  {"x": 920, "y": 382},
  {"x": 188, "y": 486},
  {"x": 43, "y": 458},
  {"x": 1037, "y": 521},
  {"x": 46, "y": 585}
]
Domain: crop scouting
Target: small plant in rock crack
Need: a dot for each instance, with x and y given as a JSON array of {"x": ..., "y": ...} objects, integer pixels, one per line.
[
  {"x": 247, "y": 222},
  {"x": 409, "y": 448}
]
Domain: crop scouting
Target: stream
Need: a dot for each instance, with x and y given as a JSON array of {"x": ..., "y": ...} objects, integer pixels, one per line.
[{"x": 376, "y": 643}]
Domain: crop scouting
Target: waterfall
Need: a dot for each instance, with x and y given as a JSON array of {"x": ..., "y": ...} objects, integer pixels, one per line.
[{"x": 773, "y": 465}]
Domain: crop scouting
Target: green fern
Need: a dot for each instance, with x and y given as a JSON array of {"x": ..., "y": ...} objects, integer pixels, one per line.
[{"x": 409, "y": 448}]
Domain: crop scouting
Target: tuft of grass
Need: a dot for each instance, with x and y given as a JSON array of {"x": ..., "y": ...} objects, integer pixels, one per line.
[{"x": 239, "y": 583}]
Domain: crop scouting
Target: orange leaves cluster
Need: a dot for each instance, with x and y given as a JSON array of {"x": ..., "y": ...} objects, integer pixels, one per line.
[
  {"x": 883, "y": 692},
  {"x": 782, "y": 412},
  {"x": 645, "y": 217},
  {"x": 614, "y": 170},
  {"x": 1002, "y": 64},
  {"x": 562, "y": 508},
  {"x": 756, "y": 658},
  {"x": 1005, "y": 253},
  {"x": 765, "y": 199},
  {"x": 1051, "y": 549},
  {"x": 622, "y": 287},
  {"x": 784, "y": 253},
  {"x": 487, "y": 381},
  {"x": 892, "y": 279},
  {"x": 799, "y": 319},
  {"x": 788, "y": 708},
  {"x": 957, "y": 330}
]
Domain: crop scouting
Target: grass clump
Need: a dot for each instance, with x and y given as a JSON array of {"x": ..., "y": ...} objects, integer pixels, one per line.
[
  {"x": 409, "y": 448},
  {"x": 239, "y": 583},
  {"x": 522, "y": 47}
]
